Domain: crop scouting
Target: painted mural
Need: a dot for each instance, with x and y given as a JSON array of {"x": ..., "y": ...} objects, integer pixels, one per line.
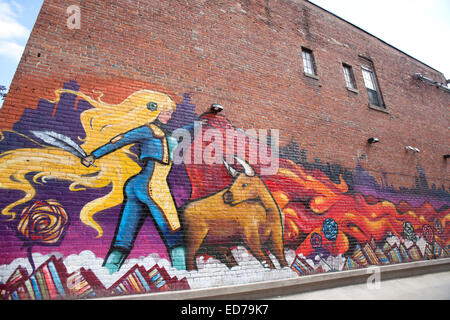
[{"x": 94, "y": 204}]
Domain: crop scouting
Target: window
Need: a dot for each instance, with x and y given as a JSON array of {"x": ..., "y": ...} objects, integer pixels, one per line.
[
  {"x": 349, "y": 76},
  {"x": 371, "y": 84},
  {"x": 308, "y": 62}
]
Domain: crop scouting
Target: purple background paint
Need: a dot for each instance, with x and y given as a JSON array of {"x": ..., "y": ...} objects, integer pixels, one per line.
[
  {"x": 416, "y": 196},
  {"x": 79, "y": 237}
]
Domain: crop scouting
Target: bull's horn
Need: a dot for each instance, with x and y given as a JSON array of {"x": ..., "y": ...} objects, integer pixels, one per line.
[
  {"x": 230, "y": 169},
  {"x": 248, "y": 170}
]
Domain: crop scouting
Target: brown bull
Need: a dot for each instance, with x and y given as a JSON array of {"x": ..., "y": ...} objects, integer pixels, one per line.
[{"x": 244, "y": 212}]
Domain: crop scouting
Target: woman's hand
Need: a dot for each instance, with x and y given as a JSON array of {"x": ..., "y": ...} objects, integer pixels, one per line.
[{"x": 88, "y": 161}]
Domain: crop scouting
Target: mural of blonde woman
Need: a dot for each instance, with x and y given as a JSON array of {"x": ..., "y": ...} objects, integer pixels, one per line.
[{"x": 115, "y": 128}]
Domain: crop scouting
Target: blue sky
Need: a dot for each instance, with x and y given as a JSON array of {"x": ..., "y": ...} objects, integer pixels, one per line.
[
  {"x": 17, "y": 18},
  {"x": 419, "y": 28}
]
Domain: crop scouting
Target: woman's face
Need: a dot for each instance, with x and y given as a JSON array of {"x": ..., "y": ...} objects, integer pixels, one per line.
[{"x": 165, "y": 116}]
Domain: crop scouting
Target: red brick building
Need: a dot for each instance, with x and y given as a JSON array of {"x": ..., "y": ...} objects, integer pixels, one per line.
[{"x": 325, "y": 84}]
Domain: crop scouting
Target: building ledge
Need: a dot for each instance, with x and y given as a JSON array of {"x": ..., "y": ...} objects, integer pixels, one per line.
[
  {"x": 378, "y": 108},
  {"x": 352, "y": 90},
  {"x": 309, "y": 75}
]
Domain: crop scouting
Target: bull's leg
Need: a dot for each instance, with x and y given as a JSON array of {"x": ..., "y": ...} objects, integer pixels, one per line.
[
  {"x": 253, "y": 241},
  {"x": 230, "y": 261},
  {"x": 276, "y": 245},
  {"x": 194, "y": 241},
  {"x": 224, "y": 255}
]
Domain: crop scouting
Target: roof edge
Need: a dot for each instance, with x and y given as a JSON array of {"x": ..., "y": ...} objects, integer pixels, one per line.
[{"x": 379, "y": 39}]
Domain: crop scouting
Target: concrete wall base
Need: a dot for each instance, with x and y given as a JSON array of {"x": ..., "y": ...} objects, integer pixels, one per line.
[{"x": 329, "y": 280}]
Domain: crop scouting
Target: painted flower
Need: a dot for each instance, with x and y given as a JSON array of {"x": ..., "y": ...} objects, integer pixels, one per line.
[
  {"x": 427, "y": 233},
  {"x": 316, "y": 240},
  {"x": 330, "y": 229},
  {"x": 408, "y": 231},
  {"x": 438, "y": 225},
  {"x": 43, "y": 223}
]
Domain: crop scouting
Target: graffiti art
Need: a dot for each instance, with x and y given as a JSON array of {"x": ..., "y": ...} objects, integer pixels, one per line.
[{"x": 143, "y": 196}]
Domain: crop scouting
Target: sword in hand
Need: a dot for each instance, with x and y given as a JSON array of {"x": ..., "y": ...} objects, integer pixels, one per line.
[
  {"x": 88, "y": 161},
  {"x": 61, "y": 141}
]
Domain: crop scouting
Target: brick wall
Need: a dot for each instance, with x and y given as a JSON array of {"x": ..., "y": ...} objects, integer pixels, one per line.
[{"x": 247, "y": 56}]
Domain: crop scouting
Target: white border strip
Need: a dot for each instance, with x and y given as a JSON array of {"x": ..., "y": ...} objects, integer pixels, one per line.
[{"x": 270, "y": 285}]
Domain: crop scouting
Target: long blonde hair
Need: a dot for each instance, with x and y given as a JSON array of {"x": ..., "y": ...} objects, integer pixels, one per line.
[{"x": 101, "y": 123}]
